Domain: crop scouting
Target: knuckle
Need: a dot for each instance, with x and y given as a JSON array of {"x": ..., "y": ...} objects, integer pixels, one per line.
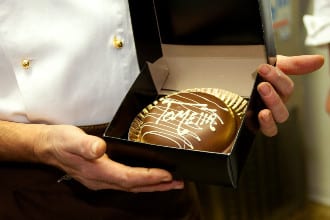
[
  {"x": 91, "y": 185},
  {"x": 273, "y": 100},
  {"x": 289, "y": 89},
  {"x": 273, "y": 133},
  {"x": 270, "y": 131},
  {"x": 94, "y": 187},
  {"x": 283, "y": 117},
  {"x": 126, "y": 181}
]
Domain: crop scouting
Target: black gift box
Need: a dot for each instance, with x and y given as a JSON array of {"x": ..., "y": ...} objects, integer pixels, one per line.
[{"x": 195, "y": 44}]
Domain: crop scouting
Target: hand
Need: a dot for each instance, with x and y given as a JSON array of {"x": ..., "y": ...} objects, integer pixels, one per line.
[
  {"x": 328, "y": 103},
  {"x": 278, "y": 87},
  {"x": 83, "y": 157}
]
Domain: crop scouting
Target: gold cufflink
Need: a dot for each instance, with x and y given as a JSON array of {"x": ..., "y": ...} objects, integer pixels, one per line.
[
  {"x": 117, "y": 43},
  {"x": 25, "y": 63}
]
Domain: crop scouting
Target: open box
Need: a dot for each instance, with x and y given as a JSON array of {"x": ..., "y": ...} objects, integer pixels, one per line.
[{"x": 185, "y": 44}]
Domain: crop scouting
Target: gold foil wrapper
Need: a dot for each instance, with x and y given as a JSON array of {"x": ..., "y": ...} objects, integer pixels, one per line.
[{"x": 237, "y": 103}]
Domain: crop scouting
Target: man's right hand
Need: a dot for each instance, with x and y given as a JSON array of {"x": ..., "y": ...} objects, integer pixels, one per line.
[{"x": 80, "y": 155}]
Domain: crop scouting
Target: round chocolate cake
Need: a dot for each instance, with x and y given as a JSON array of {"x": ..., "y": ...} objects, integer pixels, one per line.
[{"x": 189, "y": 120}]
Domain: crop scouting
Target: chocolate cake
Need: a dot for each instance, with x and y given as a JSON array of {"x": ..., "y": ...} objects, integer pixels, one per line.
[{"x": 190, "y": 120}]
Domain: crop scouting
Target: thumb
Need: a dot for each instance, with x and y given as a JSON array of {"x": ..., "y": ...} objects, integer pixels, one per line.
[
  {"x": 93, "y": 147},
  {"x": 298, "y": 65}
]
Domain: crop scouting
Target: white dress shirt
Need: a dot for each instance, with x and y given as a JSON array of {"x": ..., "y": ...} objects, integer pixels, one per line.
[
  {"x": 65, "y": 61},
  {"x": 318, "y": 24}
]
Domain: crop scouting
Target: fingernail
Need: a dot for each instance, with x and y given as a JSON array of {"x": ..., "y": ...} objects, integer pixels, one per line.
[
  {"x": 95, "y": 148},
  {"x": 266, "y": 117},
  {"x": 264, "y": 70},
  {"x": 264, "y": 89},
  {"x": 167, "y": 179},
  {"x": 279, "y": 72},
  {"x": 178, "y": 185}
]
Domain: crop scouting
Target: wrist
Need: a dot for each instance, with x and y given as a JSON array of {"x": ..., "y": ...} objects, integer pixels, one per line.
[
  {"x": 21, "y": 142},
  {"x": 41, "y": 145}
]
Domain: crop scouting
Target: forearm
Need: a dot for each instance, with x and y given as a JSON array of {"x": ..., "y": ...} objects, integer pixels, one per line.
[{"x": 18, "y": 141}]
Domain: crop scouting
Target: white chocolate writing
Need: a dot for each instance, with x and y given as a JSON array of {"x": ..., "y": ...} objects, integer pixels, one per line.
[
  {"x": 182, "y": 121},
  {"x": 189, "y": 117}
]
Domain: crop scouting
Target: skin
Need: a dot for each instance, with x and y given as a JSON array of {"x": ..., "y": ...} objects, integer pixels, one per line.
[
  {"x": 83, "y": 156},
  {"x": 328, "y": 103},
  {"x": 279, "y": 87}
]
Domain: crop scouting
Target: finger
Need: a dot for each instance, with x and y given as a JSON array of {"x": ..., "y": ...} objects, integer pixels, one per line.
[
  {"x": 127, "y": 178},
  {"x": 273, "y": 102},
  {"x": 267, "y": 124},
  {"x": 105, "y": 173},
  {"x": 132, "y": 177},
  {"x": 280, "y": 81},
  {"x": 298, "y": 65},
  {"x": 160, "y": 187},
  {"x": 87, "y": 146},
  {"x": 173, "y": 185},
  {"x": 95, "y": 147},
  {"x": 328, "y": 103},
  {"x": 68, "y": 139}
]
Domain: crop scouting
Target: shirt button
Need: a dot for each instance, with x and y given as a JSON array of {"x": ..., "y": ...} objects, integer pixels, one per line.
[
  {"x": 25, "y": 63},
  {"x": 117, "y": 43}
]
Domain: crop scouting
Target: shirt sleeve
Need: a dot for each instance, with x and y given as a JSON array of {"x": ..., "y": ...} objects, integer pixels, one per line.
[{"x": 318, "y": 24}]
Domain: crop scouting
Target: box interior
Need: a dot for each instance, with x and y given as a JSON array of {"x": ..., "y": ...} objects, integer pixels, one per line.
[{"x": 226, "y": 67}]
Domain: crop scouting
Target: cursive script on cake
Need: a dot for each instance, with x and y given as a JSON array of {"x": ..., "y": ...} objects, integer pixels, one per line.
[{"x": 179, "y": 124}]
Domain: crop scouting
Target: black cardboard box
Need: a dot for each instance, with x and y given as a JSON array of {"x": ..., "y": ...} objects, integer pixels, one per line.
[{"x": 185, "y": 44}]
